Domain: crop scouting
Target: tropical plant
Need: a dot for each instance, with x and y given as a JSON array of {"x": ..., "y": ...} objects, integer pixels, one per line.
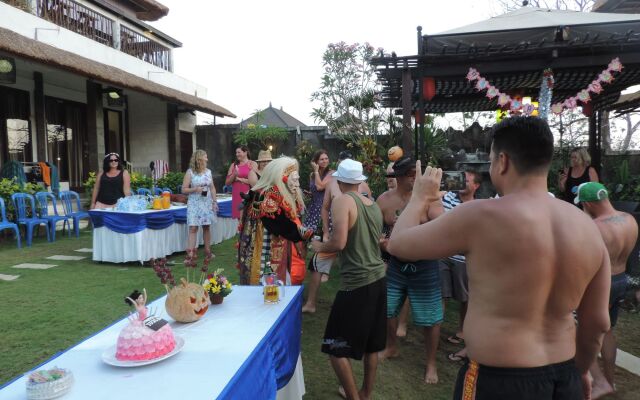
[
  {"x": 304, "y": 154},
  {"x": 171, "y": 180},
  {"x": 259, "y": 137}
]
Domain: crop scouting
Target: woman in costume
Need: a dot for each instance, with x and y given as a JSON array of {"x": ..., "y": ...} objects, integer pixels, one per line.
[{"x": 270, "y": 228}]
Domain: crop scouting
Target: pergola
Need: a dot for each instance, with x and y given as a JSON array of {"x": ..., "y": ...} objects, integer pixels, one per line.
[{"x": 511, "y": 51}]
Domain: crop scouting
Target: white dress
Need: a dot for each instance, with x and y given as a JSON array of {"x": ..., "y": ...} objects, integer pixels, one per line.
[{"x": 199, "y": 207}]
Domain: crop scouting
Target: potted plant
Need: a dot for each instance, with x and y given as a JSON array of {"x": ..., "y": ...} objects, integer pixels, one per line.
[{"x": 217, "y": 286}]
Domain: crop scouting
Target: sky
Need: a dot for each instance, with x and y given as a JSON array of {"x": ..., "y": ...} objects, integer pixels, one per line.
[{"x": 251, "y": 53}]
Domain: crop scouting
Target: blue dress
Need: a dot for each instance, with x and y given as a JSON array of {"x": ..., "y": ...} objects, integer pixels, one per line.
[
  {"x": 199, "y": 207},
  {"x": 313, "y": 218}
]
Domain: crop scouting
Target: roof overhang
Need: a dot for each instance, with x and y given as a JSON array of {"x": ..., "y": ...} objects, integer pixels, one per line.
[
  {"x": 619, "y": 6},
  {"x": 21, "y": 46}
]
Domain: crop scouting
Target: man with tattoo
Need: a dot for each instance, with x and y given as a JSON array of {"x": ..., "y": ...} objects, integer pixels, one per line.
[{"x": 620, "y": 232}]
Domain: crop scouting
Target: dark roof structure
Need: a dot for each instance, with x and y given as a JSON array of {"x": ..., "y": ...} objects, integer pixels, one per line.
[
  {"x": 512, "y": 51},
  {"x": 21, "y": 46},
  {"x": 620, "y": 6},
  {"x": 272, "y": 117}
]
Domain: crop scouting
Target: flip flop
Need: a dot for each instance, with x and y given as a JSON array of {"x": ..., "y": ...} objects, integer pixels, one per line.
[
  {"x": 455, "y": 339},
  {"x": 456, "y": 358}
]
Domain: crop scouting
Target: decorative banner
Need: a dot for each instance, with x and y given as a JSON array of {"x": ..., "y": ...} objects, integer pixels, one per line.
[{"x": 546, "y": 91}]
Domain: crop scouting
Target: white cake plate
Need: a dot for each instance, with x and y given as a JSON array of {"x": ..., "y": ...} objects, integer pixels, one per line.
[{"x": 109, "y": 356}]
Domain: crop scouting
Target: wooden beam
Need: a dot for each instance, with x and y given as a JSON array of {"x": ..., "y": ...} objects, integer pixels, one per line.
[
  {"x": 407, "y": 105},
  {"x": 173, "y": 136},
  {"x": 95, "y": 125}
]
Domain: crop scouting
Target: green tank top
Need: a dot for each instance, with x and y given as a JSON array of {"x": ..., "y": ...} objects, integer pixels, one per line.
[{"x": 360, "y": 262}]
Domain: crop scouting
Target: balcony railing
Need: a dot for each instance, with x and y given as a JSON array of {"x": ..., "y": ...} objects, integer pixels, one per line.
[
  {"x": 77, "y": 18},
  {"x": 89, "y": 23},
  {"x": 137, "y": 45}
]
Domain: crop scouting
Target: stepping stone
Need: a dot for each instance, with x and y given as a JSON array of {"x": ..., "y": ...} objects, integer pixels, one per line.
[
  {"x": 9, "y": 277},
  {"x": 628, "y": 361},
  {"x": 85, "y": 250},
  {"x": 34, "y": 266},
  {"x": 66, "y": 258}
]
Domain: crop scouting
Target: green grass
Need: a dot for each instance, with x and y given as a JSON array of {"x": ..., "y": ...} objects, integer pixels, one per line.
[{"x": 46, "y": 311}]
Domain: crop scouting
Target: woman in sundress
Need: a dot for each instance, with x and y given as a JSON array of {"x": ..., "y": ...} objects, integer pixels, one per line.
[
  {"x": 201, "y": 205},
  {"x": 238, "y": 178}
]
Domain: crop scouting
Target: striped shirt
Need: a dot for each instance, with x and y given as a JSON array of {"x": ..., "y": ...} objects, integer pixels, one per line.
[{"x": 449, "y": 202}]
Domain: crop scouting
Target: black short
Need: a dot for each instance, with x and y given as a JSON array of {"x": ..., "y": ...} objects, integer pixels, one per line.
[
  {"x": 358, "y": 322},
  {"x": 616, "y": 295},
  {"x": 552, "y": 382}
]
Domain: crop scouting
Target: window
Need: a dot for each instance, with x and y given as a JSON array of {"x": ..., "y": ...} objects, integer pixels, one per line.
[{"x": 15, "y": 130}]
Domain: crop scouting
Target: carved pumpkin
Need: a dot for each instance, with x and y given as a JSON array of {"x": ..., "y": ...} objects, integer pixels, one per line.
[
  {"x": 395, "y": 153},
  {"x": 187, "y": 302}
]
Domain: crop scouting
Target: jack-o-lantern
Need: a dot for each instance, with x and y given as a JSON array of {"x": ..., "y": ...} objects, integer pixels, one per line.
[
  {"x": 395, "y": 153},
  {"x": 187, "y": 302}
]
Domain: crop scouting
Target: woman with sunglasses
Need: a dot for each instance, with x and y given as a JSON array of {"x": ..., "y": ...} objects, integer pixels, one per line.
[{"x": 112, "y": 183}]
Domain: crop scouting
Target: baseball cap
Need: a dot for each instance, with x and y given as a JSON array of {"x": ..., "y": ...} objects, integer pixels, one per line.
[
  {"x": 349, "y": 171},
  {"x": 402, "y": 166},
  {"x": 591, "y": 191}
]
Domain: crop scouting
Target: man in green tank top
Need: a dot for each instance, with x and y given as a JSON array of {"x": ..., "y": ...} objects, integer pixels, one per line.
[{"x": 357, "y": 323}]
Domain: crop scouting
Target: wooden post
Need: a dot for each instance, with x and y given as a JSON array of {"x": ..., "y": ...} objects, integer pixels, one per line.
[
  {"x": 407, "y": 105},
  {"x": 95, "y": 125},
  {"x": 173, "y": 135},
  {"x": 41, "y": 129},
  {"x": 593, "y": 139}
]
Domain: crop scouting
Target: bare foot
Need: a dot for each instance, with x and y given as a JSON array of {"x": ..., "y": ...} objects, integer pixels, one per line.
[
  {"x": 388, "y": 353},
  {"x": 362, "y": 395},
  {"x": 431, "y": 375},
  {"x": 601, "y": 389},
  {"x": 402, "y": 330},
  {"x": 308, "y": 309},
  {"x": 324, "y": 278}
]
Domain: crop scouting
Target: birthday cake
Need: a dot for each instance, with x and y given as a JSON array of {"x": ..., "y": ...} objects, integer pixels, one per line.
[{"x": 144, "y": 338}]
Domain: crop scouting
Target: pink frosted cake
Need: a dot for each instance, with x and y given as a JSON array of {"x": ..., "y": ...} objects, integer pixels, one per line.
[{"x": 144, "y": 338}]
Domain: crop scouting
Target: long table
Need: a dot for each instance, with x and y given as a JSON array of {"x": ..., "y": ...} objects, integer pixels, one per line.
[
  {"x": 140, "y": 236},
  {"x": 240, "y": 349}
]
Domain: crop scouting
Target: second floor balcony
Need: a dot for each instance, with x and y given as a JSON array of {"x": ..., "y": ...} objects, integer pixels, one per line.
[{"x": 94, "y": 25}]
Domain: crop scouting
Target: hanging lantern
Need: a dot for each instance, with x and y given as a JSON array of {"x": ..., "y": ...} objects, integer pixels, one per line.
[
  {"x": 419, "y": 117},
  {"x": 428, "y": 88},
  {"x": 587, "y": 109}
]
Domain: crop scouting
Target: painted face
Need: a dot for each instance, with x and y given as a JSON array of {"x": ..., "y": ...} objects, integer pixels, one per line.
[
  {"x": 293, "y": 183},
  {"x": 323, "y": 161}
]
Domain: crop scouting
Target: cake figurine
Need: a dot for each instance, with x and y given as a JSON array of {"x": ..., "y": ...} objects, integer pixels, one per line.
[{"x": 145, "y": 337}]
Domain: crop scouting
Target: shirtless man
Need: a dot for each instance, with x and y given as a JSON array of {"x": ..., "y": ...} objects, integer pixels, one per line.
[
  {"x": 320, "y": 263},
  {"x": 531, "y": 261},
  {"x": 419, "y": 281},
  {"x": 620, "y": 232}
]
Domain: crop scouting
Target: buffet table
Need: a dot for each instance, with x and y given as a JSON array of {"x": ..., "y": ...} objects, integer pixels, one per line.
[
  {"x": 140, "y": 236},
  {"x": 240, "y": 349}
]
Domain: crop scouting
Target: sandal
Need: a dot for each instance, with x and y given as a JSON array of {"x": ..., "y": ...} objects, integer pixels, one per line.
[
  {"x": 455, "y": 339},
  {"x": 455, "y": 357}
]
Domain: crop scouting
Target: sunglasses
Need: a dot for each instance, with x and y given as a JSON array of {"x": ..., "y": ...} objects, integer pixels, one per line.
[{"x": 113, "y": 160}]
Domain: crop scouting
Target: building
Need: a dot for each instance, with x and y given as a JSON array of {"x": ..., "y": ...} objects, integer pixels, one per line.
[{"x": 82, "y": 78}]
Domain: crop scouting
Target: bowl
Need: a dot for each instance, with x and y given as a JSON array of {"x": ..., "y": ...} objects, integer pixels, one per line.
[{"x": 49, "y": 389}]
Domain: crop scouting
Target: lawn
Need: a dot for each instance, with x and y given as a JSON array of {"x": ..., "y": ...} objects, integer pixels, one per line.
[{"x": 46, "y": 311}]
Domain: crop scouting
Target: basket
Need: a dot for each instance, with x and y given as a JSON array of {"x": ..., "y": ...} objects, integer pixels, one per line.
[{"x": 50, "y": 389}]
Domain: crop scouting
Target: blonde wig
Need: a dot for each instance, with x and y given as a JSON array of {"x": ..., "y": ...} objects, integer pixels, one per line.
[
  {"x": 197, "y": 164},
  {"x": 273, "y": 175}
]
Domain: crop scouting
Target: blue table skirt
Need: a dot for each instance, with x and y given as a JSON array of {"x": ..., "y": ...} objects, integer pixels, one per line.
[
  {"x": 280, "y": 347},
  {"x": 132, "y": 222}
]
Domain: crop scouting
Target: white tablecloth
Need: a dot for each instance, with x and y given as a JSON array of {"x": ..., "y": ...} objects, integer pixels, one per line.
[
  {"x": 215, "y": 348},
  {"x": 110, "y": 246}
]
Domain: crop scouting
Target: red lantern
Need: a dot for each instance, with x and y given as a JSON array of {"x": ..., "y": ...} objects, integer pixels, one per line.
[
  {"x": 587, "y": 109},
  {"x": 418, "y": 116},
  {"x": 428, "y": 88}
]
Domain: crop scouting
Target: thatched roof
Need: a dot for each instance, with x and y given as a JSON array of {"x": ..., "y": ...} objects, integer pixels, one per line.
[{"x": 21, "y": 46}]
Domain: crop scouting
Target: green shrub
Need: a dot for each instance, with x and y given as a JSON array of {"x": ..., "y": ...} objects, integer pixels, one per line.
[
  {"x": 9, "y": 187},
  {"x": 171, "y": 180}
]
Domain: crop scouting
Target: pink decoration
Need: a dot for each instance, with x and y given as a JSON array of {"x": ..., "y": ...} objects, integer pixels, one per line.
[
  {"x": 615, "y": 65},
  {"x": 557, "y": 108},
  {"x": 472, "y": 75},
  {"x": 482, "y": 84},
  {"x": 503, "y": 99},
  {"x": 528, "y": 109},
  {"x": 595, "y": 87},
  {"x": 515, "y": 105},
  {"x": 605, "y": 76},
  {"x": 583, "y": 96},
  {"x": 571, "y": 103},
  {"x": 492, "y": 92}
]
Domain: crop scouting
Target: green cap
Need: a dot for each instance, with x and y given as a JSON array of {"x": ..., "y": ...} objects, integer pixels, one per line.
[{"x": 591, "y": 191}]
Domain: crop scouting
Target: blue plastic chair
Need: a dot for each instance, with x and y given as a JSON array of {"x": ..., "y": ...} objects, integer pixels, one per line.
[
  {"x": 5, "y": 224},
  {"x": 21, "y": 203},
  {"x": 69, "y": 198},
  {"x": 179, "y": 189},
  {"x": 43, "y": 199},
  {"x": 144, "y": 192}
]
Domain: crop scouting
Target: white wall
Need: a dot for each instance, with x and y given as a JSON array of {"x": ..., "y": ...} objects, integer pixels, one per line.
[
  {"x": 147, "y": 130},
  {"x": 46, "y": 32}
]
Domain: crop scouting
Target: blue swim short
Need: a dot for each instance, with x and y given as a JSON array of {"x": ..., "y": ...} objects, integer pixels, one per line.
[{"x": 420, "y": 280}]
